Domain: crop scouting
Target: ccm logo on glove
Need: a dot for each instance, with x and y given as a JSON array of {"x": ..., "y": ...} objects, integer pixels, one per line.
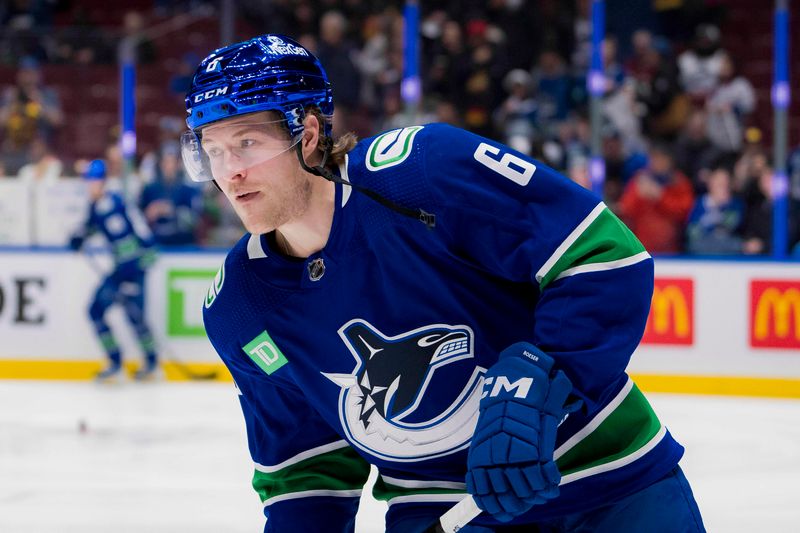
[
  {"x": 510, "y": 465},
  {"x": 501, "y": 383}
]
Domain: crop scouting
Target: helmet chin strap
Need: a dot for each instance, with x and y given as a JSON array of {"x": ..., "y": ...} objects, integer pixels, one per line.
[{"x": 429, "y": 219}]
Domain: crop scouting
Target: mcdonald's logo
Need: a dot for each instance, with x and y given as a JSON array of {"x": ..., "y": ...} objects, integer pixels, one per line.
[
  {"x": 671, "y": 319},
  {"x": 775, "y": 314}
]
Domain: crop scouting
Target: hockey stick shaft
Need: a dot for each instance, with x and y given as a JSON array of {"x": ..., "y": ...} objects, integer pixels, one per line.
[
  {"x": 182, "y": 367},
  {"x": 456, "y": 517}
]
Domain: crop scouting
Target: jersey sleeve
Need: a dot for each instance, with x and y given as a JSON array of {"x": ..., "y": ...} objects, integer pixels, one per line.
[
  {"x": 307, "y": 477},
  {"x": 512, "y": 216}
]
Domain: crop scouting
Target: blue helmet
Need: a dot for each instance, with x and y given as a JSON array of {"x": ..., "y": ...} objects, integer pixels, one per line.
[
  {"x": 95, "y": 170},
  {"x": 270, "y": 72}
]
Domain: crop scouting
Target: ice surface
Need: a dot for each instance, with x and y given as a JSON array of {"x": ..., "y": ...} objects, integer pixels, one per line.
[{"x": 172, "y": 457}]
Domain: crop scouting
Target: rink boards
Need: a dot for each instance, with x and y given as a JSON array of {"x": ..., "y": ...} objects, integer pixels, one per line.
[{"x": 718, "y": 327}]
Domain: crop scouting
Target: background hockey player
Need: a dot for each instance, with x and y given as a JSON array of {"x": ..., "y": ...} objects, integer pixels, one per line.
[
  {"x": 132, "y": 251},
  {"x": 439, "y": 305}
]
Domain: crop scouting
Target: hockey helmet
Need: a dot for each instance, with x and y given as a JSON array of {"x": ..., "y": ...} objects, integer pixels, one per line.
[
  {"x": 266, "y": 73},
  {"x": 270, "y": 72},
  {"x": 95, "y": 170}
]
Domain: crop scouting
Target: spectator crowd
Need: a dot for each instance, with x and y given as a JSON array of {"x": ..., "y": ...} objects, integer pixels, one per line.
[{"x": 685, "y": 167}]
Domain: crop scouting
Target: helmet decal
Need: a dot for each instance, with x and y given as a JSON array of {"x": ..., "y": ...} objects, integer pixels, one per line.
[
  {"x": 278, "y": 46},
  {"x": 213, "y": 66}
]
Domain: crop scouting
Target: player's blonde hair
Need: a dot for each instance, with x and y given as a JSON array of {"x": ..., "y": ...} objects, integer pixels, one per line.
[{"x": 341, "y": 145}]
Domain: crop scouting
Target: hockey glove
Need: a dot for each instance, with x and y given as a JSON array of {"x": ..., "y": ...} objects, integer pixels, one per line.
[{"x": 510, "y": 463}]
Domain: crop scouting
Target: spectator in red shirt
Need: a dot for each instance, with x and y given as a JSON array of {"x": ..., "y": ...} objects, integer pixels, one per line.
[{"x": 656, "y": 203}]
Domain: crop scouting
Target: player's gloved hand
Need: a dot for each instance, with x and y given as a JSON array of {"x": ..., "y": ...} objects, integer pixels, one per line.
[
  {"x": 510, "y": 463},
  {"x": 76, "y": 242}
]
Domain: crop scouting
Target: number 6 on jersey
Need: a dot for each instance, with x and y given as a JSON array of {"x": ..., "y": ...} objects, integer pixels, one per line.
[{"x": 520, "y": 175}]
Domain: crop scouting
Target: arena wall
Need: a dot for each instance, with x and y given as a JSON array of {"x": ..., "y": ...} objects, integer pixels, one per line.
[{"x": 718, "y": 327}]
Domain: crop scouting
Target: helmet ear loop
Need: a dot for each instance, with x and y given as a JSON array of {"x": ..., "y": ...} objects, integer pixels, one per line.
[{"x": 319, "y": 170}]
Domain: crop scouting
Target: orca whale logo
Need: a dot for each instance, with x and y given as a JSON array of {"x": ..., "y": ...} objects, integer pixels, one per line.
[{"x": 390, "y": 380}]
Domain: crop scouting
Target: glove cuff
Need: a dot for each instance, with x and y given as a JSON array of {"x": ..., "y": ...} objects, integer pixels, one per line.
[{"x": 529, "y": 352}]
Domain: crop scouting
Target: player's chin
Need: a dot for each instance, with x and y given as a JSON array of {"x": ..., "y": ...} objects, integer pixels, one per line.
[
  {"x": 256, "y": 226},
  {"x": 254, "y": 221}
]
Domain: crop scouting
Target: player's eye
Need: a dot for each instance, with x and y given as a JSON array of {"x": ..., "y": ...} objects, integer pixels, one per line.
[
  {"x": 213, "y": 152},
  {"x": 248, "y": 143}
]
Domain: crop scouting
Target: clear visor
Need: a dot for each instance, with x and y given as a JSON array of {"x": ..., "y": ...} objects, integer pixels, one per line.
[{"x": 220, "y": 151}]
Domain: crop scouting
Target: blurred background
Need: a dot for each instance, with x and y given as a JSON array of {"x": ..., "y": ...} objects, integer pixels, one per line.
[
  {"x": 684, "y": 100},
  {"x": 678, "y": 113}
]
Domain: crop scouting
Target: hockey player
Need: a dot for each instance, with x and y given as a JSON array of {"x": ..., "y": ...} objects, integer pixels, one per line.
[
  {"x": 132, "y": 249},
  {"x": 440, "y": 306}
]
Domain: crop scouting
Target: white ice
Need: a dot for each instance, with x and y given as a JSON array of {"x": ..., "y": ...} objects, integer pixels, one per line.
[{"x": 172, "y": 457}]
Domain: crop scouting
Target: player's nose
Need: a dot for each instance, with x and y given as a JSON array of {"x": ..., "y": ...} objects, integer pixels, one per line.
[{"x": 234, "y": 169}]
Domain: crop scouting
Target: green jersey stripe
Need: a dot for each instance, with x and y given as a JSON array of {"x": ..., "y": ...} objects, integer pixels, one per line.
[
  {"x": 595, "y": 422},
  {"x": 621, "y": 433},
  {"x": 547, "y": 267},
  {"x": 302, "y": 456},
  {"x": 388, "y": 488},
  {"x": 608, "y": 265},
  {"x": 340, "y": 470},
  {"x": 601, "y": 238},
  {"x": 618, "y": 435},
  {"x": 617, "y": 463}
]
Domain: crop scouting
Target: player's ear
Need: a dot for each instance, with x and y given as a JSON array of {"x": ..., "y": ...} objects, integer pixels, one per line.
[{"x": 311, "y": 138}]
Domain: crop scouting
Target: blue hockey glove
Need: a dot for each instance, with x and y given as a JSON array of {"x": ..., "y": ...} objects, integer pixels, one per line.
[{"x": 510, "y": 463}]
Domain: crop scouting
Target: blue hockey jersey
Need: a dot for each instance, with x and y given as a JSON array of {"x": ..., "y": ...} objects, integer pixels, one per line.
[
  {"x": 373, "y": 349},
  {"x": 129, "y": 238}
]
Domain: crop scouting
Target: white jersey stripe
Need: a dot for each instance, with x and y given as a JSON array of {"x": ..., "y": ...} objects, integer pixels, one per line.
[
  {"x": 349, "y": 493},
  {"x": 569, "y": 241},
  {"x": 254, "y": 248},
  {"x": 319, "y": 450},
  {"x": 595, "y": 422},
  {"x": 619, "y": 463},
  {"x": 417, "y": 484},
  {"x": 346, "y": 189},
  {"x": 608, "y": 265},
  {"x": 420, "y": 498}
]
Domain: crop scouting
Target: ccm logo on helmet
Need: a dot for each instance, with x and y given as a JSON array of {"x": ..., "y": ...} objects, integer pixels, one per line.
[{"x": 211, "y": 93}]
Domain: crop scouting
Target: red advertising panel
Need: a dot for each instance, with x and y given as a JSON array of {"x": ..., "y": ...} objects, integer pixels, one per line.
[
  {"x": 671, "y": 319},
  {"x": 775, "y": 314}
]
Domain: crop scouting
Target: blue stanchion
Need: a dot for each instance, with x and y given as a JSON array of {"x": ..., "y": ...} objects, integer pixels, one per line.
[
  {"x": 781, "y": 96},
  {"x": 596, "y": 86},
  {"x": 411, "y": 86},
  {"x": 128, "y": 109}
]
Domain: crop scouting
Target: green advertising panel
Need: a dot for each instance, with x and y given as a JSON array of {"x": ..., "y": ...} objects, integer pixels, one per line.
[{"x": 186, "y": 292}]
